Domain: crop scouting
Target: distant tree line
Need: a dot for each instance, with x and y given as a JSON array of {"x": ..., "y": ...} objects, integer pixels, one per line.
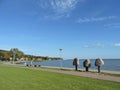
[{"x": 19, "y": 55}]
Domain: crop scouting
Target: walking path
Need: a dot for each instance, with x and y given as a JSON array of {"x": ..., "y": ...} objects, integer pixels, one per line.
[
  {"x": 76, "y": 73},
  {"x": 84, "y": 74}
]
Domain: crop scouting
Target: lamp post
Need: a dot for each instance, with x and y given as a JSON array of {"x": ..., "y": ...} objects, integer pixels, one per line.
[{"x": 60, "y": 57}]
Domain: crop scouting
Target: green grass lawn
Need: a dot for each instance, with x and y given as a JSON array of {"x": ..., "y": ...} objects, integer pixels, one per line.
[{"x": 12, "y": 78}]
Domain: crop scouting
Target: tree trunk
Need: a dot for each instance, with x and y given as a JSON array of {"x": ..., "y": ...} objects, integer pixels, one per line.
[
  {"x": 13, "y": 58},
  {"x": 87, "y": 69},
  {"x": 98, "y": 69},
  {"x": 76, "y": 67}
]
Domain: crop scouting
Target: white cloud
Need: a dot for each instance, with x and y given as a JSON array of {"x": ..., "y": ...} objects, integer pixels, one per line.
[
  {"x": 95, "y": 19},
  {"x": 85, "y": 46},
  {"x": 63, "y": 6},
  {"x": 117, "y": 44},
  {"x": 97, "y": 45},
  {"x": 58, "y": 8},
  {"x": 112, "y": 25},
  {"x": 56, "y": 17}
]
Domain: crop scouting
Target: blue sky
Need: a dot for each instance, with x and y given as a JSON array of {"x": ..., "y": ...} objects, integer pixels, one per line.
[{"x": 82, "y": 28}]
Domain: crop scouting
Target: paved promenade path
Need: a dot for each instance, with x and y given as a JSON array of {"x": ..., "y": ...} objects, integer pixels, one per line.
[
  {"x": 76, "y": 73},
  {"x": 84, "y": 74}
]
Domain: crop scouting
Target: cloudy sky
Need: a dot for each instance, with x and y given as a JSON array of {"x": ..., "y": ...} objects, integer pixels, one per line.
[{"x": 82, "y": 28}]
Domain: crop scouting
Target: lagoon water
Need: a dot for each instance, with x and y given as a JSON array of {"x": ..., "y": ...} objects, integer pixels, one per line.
[{"x": 109, "y": 64}]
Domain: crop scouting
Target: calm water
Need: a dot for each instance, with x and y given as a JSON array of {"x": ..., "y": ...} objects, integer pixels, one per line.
[{"x": 110, "y": 64}]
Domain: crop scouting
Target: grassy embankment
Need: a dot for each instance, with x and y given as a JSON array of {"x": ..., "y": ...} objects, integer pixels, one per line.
[{"x": 12, "y": 78}]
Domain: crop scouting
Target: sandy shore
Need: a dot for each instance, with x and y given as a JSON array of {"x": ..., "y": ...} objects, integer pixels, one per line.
[{"x": 101, "y": 76}]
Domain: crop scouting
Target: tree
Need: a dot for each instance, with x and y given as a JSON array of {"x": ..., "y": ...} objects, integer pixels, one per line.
[
  {"x": 76, "y": 63},
  {"x": 4, "y": 55},
  {"x": 1, "y": 56},
  {"x": 16, "y": 53},
  {"x": 99, "y": 62},
  {"x": 46, "y": 58},
  {"x": 19, "y": 54},
  {"x": 87, "y": 64},
  {"x": 13, "y": 52}
]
